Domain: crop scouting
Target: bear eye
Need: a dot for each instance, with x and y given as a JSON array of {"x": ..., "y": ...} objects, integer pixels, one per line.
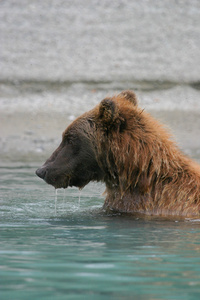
[{"x": 69, "y": 139}]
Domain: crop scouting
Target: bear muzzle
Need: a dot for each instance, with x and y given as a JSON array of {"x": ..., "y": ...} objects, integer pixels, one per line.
[
  {"x": 52, "y": 178},
  {"x": 41, "y": 172}
]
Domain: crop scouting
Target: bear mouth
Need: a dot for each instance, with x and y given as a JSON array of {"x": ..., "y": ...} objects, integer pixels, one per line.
[
  {"x": 59, "y": 182},
  {"x": 66, "y": 181}
]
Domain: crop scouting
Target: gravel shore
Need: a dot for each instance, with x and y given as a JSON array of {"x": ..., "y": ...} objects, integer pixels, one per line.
[{"x": 32, "y": 124}]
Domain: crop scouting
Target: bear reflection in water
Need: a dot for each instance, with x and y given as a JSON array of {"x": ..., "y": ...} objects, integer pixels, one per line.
[{"x": 123, "y": 146}]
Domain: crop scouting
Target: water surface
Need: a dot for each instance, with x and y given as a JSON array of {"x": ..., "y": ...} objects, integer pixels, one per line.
[{"x": 69, "y": 249}]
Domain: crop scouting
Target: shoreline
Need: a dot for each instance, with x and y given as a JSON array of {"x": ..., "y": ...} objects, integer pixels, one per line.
[{"x": 32, "y": 123}]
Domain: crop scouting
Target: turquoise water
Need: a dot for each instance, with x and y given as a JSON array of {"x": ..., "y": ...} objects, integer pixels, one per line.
[{"x": 69, "y": 249}]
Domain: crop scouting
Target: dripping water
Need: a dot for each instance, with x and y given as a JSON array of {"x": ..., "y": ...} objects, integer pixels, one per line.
[
  {"x": 64, "y": 195},
  {"x": 56, "y": 197},
  {"x": 79, "y": 198},
  {"x": 64, "y": 200}
]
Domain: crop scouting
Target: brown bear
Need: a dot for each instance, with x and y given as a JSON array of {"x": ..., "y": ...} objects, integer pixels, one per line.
[{"x": 121, "y": 145}]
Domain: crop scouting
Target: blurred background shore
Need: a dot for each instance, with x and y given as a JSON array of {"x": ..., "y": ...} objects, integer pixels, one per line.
[{"x": 60, "y": 58}]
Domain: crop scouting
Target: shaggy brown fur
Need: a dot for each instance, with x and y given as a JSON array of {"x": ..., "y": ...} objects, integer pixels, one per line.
[{"x": 142, "y": 167}]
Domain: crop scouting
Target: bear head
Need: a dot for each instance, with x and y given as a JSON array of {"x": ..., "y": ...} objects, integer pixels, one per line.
[{"x": 91, "y": 145}]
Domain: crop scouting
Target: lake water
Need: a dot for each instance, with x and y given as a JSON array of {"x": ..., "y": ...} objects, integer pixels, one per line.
[{"x": 69, "y": 249}]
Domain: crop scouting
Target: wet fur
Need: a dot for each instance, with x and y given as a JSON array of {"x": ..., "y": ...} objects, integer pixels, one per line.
[{"x": 123, "y": 146}]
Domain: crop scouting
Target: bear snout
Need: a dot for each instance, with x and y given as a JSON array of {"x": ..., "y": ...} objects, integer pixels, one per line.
[{"x": 41, "y": 172}]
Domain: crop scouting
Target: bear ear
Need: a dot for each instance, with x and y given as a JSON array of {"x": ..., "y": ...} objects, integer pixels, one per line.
[
  {"x": 130, "y": 96},
  {"x": 108, "y": 112}
]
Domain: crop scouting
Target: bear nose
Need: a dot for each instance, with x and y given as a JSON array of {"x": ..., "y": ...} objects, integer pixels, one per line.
[{"x": 41, "y": 172}]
